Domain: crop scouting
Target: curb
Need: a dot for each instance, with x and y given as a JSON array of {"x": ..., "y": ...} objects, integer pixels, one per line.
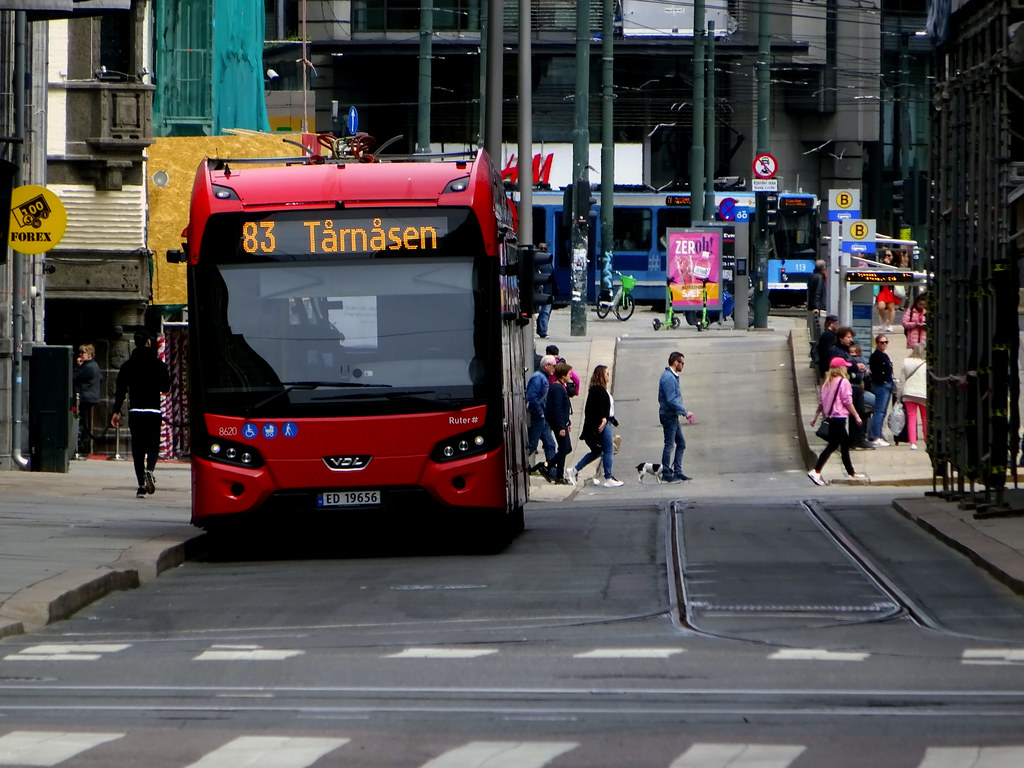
[
  {"x": 61, "y": 596},
  {"x": 1001, "y": 561}
]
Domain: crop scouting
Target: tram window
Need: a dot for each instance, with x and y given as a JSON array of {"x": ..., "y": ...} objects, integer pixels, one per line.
[
  {"x": 633, "y": 228},
  {"x": 671, "y": 218}
]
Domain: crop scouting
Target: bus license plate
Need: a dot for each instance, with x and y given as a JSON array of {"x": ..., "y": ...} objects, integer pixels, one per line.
[{"x": 348, "y": 499}]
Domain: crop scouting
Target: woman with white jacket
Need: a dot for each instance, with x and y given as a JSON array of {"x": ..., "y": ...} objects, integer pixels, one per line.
[{"x": 915, "y": 393}]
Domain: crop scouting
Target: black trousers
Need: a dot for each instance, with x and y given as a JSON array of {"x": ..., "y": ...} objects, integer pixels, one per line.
[
  {"x": 145, "y": 431},
  {"x": 85, "y": 435}
]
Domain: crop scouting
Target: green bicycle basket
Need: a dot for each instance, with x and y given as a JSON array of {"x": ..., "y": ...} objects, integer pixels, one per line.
[{"x": 628, "y": 283}]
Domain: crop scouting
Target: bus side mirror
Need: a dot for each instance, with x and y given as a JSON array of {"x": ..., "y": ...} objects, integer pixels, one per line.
[{"x": 176, "y": 255}]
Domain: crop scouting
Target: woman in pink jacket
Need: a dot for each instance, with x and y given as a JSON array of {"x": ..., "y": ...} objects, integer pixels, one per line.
[
  {"x": 835, "y": 405},
  {"x": 914, "y": 322}
]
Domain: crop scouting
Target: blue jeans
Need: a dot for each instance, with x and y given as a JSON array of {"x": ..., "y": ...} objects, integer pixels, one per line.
[
  {"x": 606, "y": 451},
  {"x": 675, "y": 444},
  {"x": 539, "y": 430},
  {"x": 882, "y": 395},
  {"x": 543, "y": 315}
]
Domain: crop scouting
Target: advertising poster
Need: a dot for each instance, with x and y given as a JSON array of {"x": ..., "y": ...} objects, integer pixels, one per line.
[{"x": 693, "y": 263}]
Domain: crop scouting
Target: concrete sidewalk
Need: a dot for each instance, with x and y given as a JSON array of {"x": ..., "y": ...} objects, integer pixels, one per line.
[{"x": 69, "y": 539}]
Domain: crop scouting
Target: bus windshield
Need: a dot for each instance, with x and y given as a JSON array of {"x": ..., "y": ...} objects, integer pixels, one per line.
[{"x": 370, "y": 334}]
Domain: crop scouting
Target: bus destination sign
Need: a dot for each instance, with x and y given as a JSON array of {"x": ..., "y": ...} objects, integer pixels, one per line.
[{"x": 325, "y": 235}]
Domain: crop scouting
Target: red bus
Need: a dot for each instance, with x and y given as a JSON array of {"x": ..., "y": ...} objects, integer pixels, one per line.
[{"x": 356, "y": 345}]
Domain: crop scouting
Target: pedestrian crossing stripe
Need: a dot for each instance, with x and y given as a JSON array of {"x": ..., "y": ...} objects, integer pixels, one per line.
[
  {"x": 994, "y": 656},
  {"x": 972, "y": 757},
  {"x": 269, "y": 752},
  {"x": 44, "y": 748},
  {"x": 245, "y": 653},
  {"x": 66, "y": 652},
  {"x": 817, "y": 654},
  {"x": 502, "y": 754},
  {"x": 628, "y": 653},
  {"x": 441, "y": 653},
  {"x": 50, "y": 748},
  {"x": 738, "y": 756}
]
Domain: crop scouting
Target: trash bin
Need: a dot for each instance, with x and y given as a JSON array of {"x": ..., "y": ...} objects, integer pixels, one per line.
[{"x": 50, "y": 420}]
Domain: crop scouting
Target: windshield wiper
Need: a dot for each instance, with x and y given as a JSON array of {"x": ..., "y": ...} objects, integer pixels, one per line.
[
  {"x": 404, "y": 394},
  {"x": 290, "y": 386}
]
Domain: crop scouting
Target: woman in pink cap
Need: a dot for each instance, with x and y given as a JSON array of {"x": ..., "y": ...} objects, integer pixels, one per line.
[{"x": 836, "y": 404}]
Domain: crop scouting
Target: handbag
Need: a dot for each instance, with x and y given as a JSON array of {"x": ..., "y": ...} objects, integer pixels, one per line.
[
  {"x": 822, "y": 431},
  {"x": 897, "y": 418}
]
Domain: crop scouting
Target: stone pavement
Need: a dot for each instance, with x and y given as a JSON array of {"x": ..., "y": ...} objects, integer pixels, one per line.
[{"x": 68, "y": 539}]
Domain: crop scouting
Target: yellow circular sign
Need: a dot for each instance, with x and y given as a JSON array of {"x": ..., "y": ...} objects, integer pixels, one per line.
[
  {"x": 859, "y": 230},
  {"x": 844, "y": 200},
  {"x": 38, "y": 219}
]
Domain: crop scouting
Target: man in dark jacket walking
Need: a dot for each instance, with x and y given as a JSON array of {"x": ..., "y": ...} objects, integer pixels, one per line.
[{"x": 142, "y": 378}]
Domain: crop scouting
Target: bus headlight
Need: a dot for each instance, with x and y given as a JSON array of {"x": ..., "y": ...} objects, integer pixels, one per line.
[
  {"x": 235, "y": 454},
  {"x": 460, "y": 446}
]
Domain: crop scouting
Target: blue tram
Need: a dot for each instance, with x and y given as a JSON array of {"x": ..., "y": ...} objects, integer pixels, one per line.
[{"x": 640, "y": 220}]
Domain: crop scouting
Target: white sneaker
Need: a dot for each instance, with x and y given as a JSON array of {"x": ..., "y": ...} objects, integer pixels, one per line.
[
  {"x": 570, "y": 475},
  {"x": 880, "y": 443},
  {"x": 596, "y": 481},
  {"x": 611, "y": 482},
  {"x": 913, "y": 446},
  {"x": 858, "y": 476},
  {"x": 816, "y": 477}
]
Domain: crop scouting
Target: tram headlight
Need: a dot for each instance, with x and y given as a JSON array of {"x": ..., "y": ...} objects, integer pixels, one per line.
[{"x": 461, "y": 446}]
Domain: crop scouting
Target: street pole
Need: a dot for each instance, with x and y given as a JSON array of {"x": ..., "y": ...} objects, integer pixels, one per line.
[
  {"x": 607, "y": 145},
  {"x": 495, "y": 54},
  {"x": 525, "y": 151},
  {"x": 425, "y": 81},
  {"x": 697, "y": 147},
  {"x": 761, "y": 245},
  {"x": 581, "y": 174},
  {"x": 709, "y": 127}
]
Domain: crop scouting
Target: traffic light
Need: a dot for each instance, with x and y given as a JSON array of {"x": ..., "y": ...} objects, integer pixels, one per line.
[
  {"x": 536, "y": 279},
  {"x": 907, "y": 203},
  {"x": 899, "y": 203},
  {"x": 585, "y": 201},
  {"x": 771, "y": 210},
  {"x": 7, "y": 174},
  {"x": 922, "y": 199},
  {"x": 567, "y": 206}
]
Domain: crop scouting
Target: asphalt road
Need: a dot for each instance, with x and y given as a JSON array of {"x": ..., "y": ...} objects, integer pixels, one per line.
[{"x": 735, "y": 621}]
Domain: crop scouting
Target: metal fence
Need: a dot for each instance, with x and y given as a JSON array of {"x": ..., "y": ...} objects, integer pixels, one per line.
[{"x": 973, "y": 334}]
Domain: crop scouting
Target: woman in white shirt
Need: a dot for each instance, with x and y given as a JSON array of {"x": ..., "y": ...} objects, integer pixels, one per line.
[{"x": 915, "y": 393}]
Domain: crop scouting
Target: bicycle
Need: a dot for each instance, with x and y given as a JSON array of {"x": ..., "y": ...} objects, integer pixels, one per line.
[{"x": 622, "y": 302}]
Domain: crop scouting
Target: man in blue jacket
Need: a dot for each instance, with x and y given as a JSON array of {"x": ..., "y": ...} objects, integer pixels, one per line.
[
  {"x": 536, "y": 403},
  {"x": 670, "y": 408}
]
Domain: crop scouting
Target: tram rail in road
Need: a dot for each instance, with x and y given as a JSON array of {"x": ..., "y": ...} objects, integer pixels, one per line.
[{"x": 740, "y": 570}]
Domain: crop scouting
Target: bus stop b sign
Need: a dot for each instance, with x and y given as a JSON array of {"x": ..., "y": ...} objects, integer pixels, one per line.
[{"x": 38, "y": 219}]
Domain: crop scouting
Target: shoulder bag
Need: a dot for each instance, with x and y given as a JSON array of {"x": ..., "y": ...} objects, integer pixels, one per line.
[{"x": 822, "y": 430}]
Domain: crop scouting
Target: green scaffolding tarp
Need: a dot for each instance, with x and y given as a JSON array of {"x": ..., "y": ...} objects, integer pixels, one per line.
[{"x": 209, "y": 67}]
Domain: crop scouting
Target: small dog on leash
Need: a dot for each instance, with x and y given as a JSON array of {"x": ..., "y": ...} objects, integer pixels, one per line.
[{"x": 647, "y": 468}]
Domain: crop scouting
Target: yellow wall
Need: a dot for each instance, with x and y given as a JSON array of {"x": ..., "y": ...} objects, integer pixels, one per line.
[{"x": 179, "y": 157}]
